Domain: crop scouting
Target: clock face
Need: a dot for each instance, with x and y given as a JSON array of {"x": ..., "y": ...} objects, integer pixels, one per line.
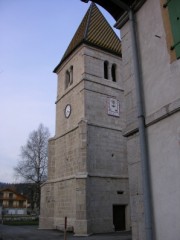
[{"x": 67, "y": 110}]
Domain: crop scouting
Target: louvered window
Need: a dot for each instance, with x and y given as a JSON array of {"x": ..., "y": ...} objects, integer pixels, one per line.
[
  {"x": 106, "y": 69},
  {"x": 113, "y": 72},
  {"x": 69, "y": 77},
  {"x": 174, "y": 14}
]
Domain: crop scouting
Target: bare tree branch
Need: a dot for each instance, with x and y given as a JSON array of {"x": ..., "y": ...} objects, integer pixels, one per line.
[{"x": 32, "y": 166}]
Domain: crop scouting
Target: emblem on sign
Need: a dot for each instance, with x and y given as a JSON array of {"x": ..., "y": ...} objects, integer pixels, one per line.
[{"x": 113, "y": 107}]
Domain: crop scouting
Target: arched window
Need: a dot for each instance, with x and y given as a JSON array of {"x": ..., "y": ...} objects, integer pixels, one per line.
[
  {"x": 113, "y": 72},
  {"x": 67, "y": 79},
  {"x": 106, "y": 69},
  {"x": 71, "y": 75}
]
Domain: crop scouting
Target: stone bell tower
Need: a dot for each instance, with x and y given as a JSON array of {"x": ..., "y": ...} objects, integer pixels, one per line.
[{"x": 87, "y": 171}]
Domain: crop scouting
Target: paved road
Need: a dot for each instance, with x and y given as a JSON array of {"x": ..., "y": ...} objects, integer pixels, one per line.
[{"x": 33, "y": 233}]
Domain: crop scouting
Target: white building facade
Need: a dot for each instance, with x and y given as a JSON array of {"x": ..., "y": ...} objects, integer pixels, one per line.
[{"x": 157, "y": 30}]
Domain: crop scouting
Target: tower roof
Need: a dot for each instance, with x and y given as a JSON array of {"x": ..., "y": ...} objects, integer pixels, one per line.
[{"x": 94, "y": 30}]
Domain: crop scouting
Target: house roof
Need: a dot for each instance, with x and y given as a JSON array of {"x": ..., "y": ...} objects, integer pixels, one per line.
[
  {"x": 20, "y": 196},
  {"x": 94, "y": 30}
]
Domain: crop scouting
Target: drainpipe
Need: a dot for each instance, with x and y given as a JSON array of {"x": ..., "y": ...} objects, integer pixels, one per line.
[{"x": 146, "y": 179}]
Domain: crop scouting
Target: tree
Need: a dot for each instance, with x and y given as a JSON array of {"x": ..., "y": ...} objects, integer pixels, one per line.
[{"x": 32, "y": 166}]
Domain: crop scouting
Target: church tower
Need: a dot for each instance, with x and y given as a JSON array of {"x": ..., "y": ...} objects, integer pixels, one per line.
[{"x": 87, "y": 171}]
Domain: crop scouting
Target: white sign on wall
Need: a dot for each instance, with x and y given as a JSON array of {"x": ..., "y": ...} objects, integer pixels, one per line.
[{"x": 113, "y": 107}]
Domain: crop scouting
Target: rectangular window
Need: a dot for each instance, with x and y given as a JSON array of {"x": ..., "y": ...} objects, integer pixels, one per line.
[{"x": 174, "y": 14}]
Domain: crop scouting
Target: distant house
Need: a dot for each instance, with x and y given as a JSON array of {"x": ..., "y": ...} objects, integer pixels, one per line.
[{"x": 12, "y": 203}]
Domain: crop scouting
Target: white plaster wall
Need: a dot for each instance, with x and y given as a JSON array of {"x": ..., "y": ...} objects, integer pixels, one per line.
[
  {"x": 161, "y": 82},
  {"x": 164, "y": 143},
  {"x": 161, "y": 78}
]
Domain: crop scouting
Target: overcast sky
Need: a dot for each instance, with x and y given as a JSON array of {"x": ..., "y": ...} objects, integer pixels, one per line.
[{"x": 34, "y": 35}]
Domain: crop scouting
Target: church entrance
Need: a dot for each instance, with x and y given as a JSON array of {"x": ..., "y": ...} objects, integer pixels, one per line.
[{"x": 119, "y": 219}]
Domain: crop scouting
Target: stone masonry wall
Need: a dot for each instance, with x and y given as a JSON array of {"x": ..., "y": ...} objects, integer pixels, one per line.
[
  {"x": 46, "y": 220},
  {"x": 102, "y": 195},
  {"x": 88, "y": 152}
]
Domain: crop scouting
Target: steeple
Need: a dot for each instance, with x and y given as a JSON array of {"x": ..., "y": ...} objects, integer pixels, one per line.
[{"x": 94, "y": 30}]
